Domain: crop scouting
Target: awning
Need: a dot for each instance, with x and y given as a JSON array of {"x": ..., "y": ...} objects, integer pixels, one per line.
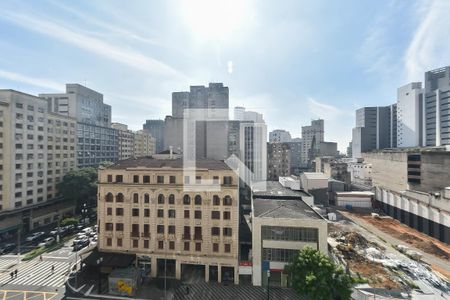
[{"x": 115, "y": 260}]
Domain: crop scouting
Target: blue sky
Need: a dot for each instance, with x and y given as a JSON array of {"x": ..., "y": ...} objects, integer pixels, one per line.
[{"x": 291, "y": 60}]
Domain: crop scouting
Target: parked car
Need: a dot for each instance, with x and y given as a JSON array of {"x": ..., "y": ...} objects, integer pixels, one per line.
[
  {"x": 35, "y": 236},
  {"x": 47, "y": 242},
  {"x": 79, "y": 240},
  {"x": 80, "y": 245},
  {"x": 6, "y": 248},
  {"x": 70, "y": 228}
]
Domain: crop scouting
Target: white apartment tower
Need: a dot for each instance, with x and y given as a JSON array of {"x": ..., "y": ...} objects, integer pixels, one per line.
[{"x": 409, "y": 115}]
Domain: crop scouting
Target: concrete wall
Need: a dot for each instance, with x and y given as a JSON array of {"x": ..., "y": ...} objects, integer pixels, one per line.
[{"x": 388, "y": 169}]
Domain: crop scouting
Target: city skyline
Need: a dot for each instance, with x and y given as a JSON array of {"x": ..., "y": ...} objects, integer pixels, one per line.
[{"x": 166, "y": 47}]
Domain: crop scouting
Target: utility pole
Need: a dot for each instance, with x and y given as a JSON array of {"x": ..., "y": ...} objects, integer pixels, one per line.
[
  {"x": 18, "y": 243},
  {"x": 165, "y": 270}
]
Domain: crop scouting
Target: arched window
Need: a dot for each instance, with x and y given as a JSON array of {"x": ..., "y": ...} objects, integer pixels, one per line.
[
  {"x": 227, "y": 200},
  {"x": 119, "y": 197},
  {"x": 186, "y": 200},
  {"x": 109, "y": 197},
  {"x": 135, "y": 198},
  {"x": 171, "y": 199},
  {"x": 216, "y": 200},
  {"x": 198, "y": 200},
  {"x": 160, "y": 199},
  {"x": 146, "y": 198}
]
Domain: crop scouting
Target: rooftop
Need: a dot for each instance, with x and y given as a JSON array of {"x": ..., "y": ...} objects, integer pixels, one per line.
[
  {"x": 153, "y": 163},
  {"x": 284, "y": 209},
  {"x": 274, "y": 189},
  {"x": 315, "y": 175}
]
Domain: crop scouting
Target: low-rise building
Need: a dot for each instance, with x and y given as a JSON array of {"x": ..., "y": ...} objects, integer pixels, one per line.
[{"x": 178, "y": 223}]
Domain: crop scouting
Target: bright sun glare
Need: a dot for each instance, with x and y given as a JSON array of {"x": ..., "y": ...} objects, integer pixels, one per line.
[{"x": 214, "y": 20}]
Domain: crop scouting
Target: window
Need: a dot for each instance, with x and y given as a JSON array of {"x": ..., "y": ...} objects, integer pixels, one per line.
[
  {"x": 135, "y": 243},
  {"x": 135, "y": 212},
  {"x": 160, "y": 179},
  {"x": 186, "y": 246},
  {"x": 109, "y": 227},
  {"x": 227, "y": 180},
  {"x": 216, "y": 180},
  {"x": 135, "y": 198},
  {"x": 228, "y": 248},
  {"x": 160, "y": 229},
  {"x": 119, "y": 211},
  {"x": 198, "y": 179},
  {"x": 227, "y": 200},
  {"x": 160, "y": 213},
  {"x": 147, "y": 198},
  {"x": 186, "y": 179},
  {"x": 119, "y": 226},
  {"x": 171, "y": 199},
  {"x": 198, "y": 200},
  {"x": 215, "y": 247},
  {"x": 198, "y": 247},
  {"x": 186, "y": 200},
  {"x": 119, "y": 178},
  {"x": 186, "y": 214},
  {"x": 172, "y": 245},
  {"x": 109, "y": 197},
  {"x": 146, "y": 244},
  {"x": 171, "y": 229},
  {"x": 172, "y": 179},
  {"x": 216, "y": 200},
  {"x": 119, "y": 197},
  {"x": 136, "y": 178},
  {"x": 146, "y": 212},
  {"x": 215, "y": 215},
  {"x": 280, "y": 233},
  {"x": 215, "y": 231},
  {"x": 119, "y": 242},
  {"x": 160, "y": 244},
  {"x": 187, "y": 233},
  {"x": 227, "y": 231},
  {"x": 281, "y": 255},
  {"x": 160, "y": 199},
  {"x": 109, "y": 211},
  {"x": 146, "y": 179},
  {"x": 171, "y": 213},
  {"x": 198, "y": 214},
  {"x": 226, "y": 215}
]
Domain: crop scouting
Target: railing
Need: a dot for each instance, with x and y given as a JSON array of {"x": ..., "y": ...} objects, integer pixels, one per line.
[
  {"x": 198, "y": 237},
  {"x": 134, "y": 234}
]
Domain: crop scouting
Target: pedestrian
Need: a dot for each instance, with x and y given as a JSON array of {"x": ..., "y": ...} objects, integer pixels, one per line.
[
  {"x": 40, "y": 257},
  {"x": 12, "y": 275},
  {"x": 15, "y": 273},
  {"x": 187, "y": 290},
  {"x": 53, "y": 269}
]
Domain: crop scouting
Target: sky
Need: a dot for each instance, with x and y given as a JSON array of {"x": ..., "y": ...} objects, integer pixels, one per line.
[{"x": 293, "y": 61}]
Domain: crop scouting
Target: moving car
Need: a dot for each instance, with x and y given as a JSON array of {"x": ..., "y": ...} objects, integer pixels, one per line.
[
  {"x": 47, "y": 242},
  {"x": 6, "y": 248},
  {"x": 80, "y": 239},
  {"x": 35, "y": 236},
  {"x": 81, "y": 244}
]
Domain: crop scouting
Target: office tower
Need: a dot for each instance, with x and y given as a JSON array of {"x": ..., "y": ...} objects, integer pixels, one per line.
[
  {"x": 144, "y": 144},
  {"x": 437, "y": 107},
  {"x": 245, "y": 115},
  {"x": 125, "y": 139},
  {"x": 278, "y": 160},
  {"x": 312, "y": 136},
  {"x": 279, "y": 136},
  {"x": 296, "y": 146},
  {"x": 409, "y": 115},
  {"x": 96, "y": 140},
  {"x": 156, "y": 129},
  {"x": 37, "y": 148}
]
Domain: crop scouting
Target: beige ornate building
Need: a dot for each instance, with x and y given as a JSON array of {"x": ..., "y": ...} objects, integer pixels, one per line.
[{"x": 149, "y": 207}]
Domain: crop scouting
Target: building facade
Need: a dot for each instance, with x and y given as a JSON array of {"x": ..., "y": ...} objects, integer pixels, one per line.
[
  {"x": 144, "y": 144},
  {"x": 279, "y": 136},
  {"x": 278, "y": 160},
  {"x": 156, "y": 129},
  {"x": 296, "y": 146},
  {"x": 125, "y": 141},
  {"x": 312, "y": 136},
  {"x": 148, "y": 207},
  {"x": 409, "y": 115}
]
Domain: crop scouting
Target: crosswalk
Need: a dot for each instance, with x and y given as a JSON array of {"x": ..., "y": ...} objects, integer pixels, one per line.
[
  {"x": 6, "y": 262},
  {"x": 38, "y": 273}
]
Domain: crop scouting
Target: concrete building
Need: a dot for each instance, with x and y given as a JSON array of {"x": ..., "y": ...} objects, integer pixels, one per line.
[
  {"x": 312, "y": 136},
  {"x": 125, "y": 138},
  {"x": 409, "y": 115},
  {"x": 376, "y": 128},
  {"x": 327, "y": 149},
  {"x": 437, "y": 107},
  {"x": 96, "y": 140},
  {"x": 143, "y": 209},
  {"x": 37, "y": 149},
  {"x": 156, "y": 129},
  {"x": 240, "y": 114},
  {"x": 333, "y": 168},
  {"x": 279, "y": 136},
  {"x": 352, "y": 199},
  {"x": 282, "y": 224},
  {"x": 144, "y": 144},
  {"x": 278, "y": 160},
  {"x": 296, "y": 146},
  {"x": 360, "y": 172}
]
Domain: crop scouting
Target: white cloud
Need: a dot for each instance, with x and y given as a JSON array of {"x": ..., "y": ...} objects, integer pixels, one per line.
[
  {"x": 35, "y": 81},
  {"x": 429, "y": 47},
  {"x": 126, "y": 56},
  {"x": 325, "y": 111}
]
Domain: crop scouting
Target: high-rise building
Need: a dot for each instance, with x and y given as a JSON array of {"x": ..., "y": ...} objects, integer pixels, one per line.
[
  {"x": 245, "y": 115},
  {"x": 125, "y": 139},
  {"x": 409, "y": 115},
  {"x": 376, "y": 128},
  {"x": 278, "y": 160},
  {"x": 312, "y": 135},
  {"x": 37, "y": 148},
  {"x": 279, "y": 136},
  {"x": 437, "y": 107},
  {"x": 178, "y": 231},
  {"x": 156, "y": 129},
  {"x": 296, "y": 146},
  {"x": 96, "y": 140},
  {"x": 144, "y": 144}
]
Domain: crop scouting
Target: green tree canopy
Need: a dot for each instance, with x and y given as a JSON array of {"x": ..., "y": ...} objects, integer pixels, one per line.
[
  {"x": 79, "y": 185},
  {"x": 315, "y": 276}
]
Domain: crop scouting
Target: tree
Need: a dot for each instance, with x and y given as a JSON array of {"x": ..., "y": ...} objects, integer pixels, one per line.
[
  {"x": 314, "y": 275},
  {"x": 79, "y": 185}
]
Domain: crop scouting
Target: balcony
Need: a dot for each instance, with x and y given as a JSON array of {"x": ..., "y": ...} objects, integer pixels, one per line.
[
  {"x": 186, "y": 237},
  {"x": 145, "y": 234},
  {"x": 134, "y": 234},
  {"x": 198, "y": 237}
]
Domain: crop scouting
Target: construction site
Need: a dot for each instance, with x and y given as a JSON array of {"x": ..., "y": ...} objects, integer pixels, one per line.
[{"x": 394, "y": 270}]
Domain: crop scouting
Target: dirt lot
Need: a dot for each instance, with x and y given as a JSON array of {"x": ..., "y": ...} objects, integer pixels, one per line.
[{"x": 409, "y": 235}]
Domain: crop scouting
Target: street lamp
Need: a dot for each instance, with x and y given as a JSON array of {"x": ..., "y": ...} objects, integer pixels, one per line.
[
  {"x": 83, "y": 213},
  {"x": 99, "y": 262}
]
